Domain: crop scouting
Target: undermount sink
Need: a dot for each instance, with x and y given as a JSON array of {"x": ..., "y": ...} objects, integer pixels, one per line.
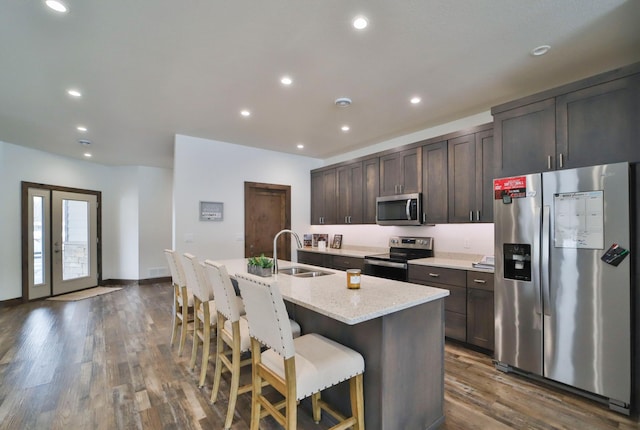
[{"x": 303, "y": 272}]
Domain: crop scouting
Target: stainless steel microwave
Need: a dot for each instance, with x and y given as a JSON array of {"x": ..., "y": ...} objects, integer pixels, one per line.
[{"x": 401, "y": 209}]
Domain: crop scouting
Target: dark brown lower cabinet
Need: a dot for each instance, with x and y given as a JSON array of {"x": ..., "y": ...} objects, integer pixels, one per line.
[
  {"x": 337, "y": 262},
  {"x": 480, "y": 310},
  {"x": 469, "y": 313}
]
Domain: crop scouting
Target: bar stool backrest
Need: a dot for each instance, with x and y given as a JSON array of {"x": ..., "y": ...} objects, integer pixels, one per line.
[
  {"x": 223, "y": 291},
  {"x": 266, "y": 313}
]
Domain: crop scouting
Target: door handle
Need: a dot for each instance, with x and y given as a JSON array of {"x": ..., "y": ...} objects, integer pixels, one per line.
[
  {"x": 56, "y": 247},
  {"x": 544, "y": 260},
  {"x": 561, "y": 160}
]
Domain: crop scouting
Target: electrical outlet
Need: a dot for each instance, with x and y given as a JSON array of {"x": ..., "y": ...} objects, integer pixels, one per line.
[{"x": 466, "y": 244}]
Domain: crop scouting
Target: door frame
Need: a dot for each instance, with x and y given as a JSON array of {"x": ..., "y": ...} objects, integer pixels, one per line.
[
  {"x": 24, "y": 227},
  {"x": 286, "y": 189}
]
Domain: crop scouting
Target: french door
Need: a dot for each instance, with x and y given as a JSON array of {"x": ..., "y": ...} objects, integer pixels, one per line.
[{"x": 61, "y": 228}]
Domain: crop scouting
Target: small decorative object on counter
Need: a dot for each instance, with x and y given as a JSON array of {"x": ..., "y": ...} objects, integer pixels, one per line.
[
  {"x": 337, "y": 241},
  {"x": 353, "y": 279},
  {"x": 322, "y": 245},
  {"x": 260, "y": 266}
]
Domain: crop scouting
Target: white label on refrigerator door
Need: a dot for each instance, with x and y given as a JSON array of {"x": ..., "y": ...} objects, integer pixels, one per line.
[{"x": 579, "y": 220}]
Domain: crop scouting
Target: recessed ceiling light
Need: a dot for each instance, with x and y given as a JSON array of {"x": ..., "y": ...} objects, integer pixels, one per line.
[
  {"x": 345, "y": 128},
  {"x": 87, "y": 154},
  {"x": 56, "y": 5},
  {"x": 81, "y": 128},
  {"x": 299, "y": 146},
  {"x": 415, "y": 100},
  {"x": 245, "y": 112},
  {"x": 540, "y": 50},
  {"x": 360, "y": 23},
  {"x": 74, "y": 93},
  {"x": 286, "y": 80}
]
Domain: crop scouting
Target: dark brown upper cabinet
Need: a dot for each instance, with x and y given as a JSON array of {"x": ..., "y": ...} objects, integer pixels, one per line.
[{"x": 400, "y": 172}]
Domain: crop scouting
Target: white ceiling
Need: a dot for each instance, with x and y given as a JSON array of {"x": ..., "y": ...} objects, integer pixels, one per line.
[{"x": 149, "y": 69}]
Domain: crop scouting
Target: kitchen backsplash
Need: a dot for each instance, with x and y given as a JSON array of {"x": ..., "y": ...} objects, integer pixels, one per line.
[{"x": 474, "y": 238}]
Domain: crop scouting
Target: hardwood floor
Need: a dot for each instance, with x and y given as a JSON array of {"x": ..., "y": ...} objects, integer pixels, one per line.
[{"x": 106, "y": 363}]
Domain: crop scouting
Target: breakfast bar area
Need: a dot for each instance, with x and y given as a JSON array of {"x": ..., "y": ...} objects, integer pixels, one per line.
[{"x": 398, "y": 327}]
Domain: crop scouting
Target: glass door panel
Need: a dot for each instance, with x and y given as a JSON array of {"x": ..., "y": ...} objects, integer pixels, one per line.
[{"x": 38, "y": 255}]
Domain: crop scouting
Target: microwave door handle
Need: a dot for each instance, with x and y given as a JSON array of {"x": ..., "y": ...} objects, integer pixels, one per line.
[{"x": 408, "y": 209}]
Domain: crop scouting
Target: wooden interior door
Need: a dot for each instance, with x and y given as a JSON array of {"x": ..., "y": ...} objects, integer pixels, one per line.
[{"x": 267, "y": 210}]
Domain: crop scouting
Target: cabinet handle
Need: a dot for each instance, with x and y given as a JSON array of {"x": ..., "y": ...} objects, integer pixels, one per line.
[
  {"x": 470, "y": 216},
  {"x": 479, "y": 281},
  {"x": 424, "y": 217},
  {"x": 349, "y": 219},
  {"x": 477, "y": 215},
  {"x": 561, "y": 160},
  {"x": 549, "y": 162},
  {"x": 434, "y": 275}
]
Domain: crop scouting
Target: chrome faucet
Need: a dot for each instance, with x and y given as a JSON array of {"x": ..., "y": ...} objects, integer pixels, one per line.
[{"x": 275, "y": 247}]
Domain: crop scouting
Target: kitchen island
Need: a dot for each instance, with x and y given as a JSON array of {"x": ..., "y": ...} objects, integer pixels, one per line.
[{"x": 399, "y": 329}]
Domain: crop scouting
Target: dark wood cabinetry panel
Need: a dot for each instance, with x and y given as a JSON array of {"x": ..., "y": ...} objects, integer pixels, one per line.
[
  {"x": 462, "y": 178},
  {"x": 585, "y": 123},
  {"x": 371, "y": 189},
  {"x": 340, "y": 262},
  {"x": 323, "y": 197},
  {"x": 480, "y": 310},
  {"x": 471, "y": 172},
  {"x": 313, "y": 258},
  {"x": 350, "y": 194},
  {"x": 400, "y": 172},
  {"x": 525, "y": 139},
  {"x": 599, "y": 124},
  {"x": 434, "y": 183}
]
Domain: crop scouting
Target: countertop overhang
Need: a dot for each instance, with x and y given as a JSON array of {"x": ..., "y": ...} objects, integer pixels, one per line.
[{"x": 329, "y": 295}]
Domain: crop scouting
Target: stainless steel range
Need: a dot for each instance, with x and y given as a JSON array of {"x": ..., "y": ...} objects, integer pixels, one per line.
[{"x": 394, "y": 264}]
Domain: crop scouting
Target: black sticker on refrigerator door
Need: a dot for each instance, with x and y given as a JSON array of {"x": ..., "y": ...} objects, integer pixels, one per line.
[{"x": 614, "y": 255}]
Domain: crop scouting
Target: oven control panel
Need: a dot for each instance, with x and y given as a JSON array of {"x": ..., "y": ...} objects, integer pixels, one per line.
[{"x": 411, "y": 242}]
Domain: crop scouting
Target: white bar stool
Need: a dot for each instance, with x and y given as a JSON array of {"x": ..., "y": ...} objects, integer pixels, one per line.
[
  {"x": 182, "y": 299},
  {"x": 297, "y": 368}
]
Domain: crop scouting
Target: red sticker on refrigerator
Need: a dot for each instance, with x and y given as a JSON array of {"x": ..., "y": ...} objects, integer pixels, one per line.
[{"x": 515, "y": 187}]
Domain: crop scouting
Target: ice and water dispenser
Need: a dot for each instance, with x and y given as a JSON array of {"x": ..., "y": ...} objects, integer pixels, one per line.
[{"x": 517, "y": 261}]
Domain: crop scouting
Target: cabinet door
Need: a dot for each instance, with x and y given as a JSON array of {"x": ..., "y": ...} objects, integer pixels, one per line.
[
  {"x": 400, "y": 172},
  {"x": 350, "y": 194},
  {"x": 371, "y": 190},
  {"x": 434, "y": 183},
  {"x": 480, "y": 310},
  {"x": 525, "y": 139},
  {"x": 462, "y": 178},
  {"x": 485, "y": 172},
  {"x": 313, "y": 258},
  {"x": 599, "y": 124},
  {"x": 323, "y": 197},
  {"x": 340, "y": 262}
]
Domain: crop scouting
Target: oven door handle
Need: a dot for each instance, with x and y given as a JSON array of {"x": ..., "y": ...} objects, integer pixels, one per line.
[{"x": 385, "y": 263}]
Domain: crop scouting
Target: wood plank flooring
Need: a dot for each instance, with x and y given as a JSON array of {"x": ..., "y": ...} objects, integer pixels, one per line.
[{"x": 106, "y": 363}]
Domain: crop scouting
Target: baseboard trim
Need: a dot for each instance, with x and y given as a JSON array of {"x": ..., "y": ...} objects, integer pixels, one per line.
[
  {"x": 125, "y": 282},
  {"x": 11, "y": 302}
]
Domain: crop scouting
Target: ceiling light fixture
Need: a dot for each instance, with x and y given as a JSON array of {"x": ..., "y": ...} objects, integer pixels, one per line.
[
  {"x": 345, "y": 128},
  {"x": 343, "y": 102},
  {"x": 87, "y": 154},
  {"x": 360, "y": 23},
  {"x": 540, "y": 50},
  {"x": 56, "y": 5},
  {"x": 74, "y": 93},
  {"x": 286, "y": 80},
  {"x": 245, "y": 113},
  {"x": 300, "y": 146},
  {"x": 81, "y": 128},
  {"x": 415, "y": 100}
]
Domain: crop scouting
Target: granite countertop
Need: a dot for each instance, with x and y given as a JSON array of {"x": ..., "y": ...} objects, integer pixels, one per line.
[
  {"x": 450, "y": 263},
  {"x": 450, "y": 260},
  {"x": 329, "y": 295}
]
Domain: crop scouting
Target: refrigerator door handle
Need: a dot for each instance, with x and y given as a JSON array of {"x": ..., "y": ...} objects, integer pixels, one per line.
[{"x": 544, "y": 260}]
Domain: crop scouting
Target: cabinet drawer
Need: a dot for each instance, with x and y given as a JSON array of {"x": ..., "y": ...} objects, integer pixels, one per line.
[
  {"x": 455, "y": 326},
  {"x": 343, "y": 263},
  {"x": 312, "y": 258},
  {"x": 480, "y": 280},
  {"x": 428, "y": 274}
]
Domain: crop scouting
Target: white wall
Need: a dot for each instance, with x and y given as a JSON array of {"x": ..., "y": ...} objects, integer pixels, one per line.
[
  {"x": 208, "y": 170},
  {"x": 120, "y": 187}
]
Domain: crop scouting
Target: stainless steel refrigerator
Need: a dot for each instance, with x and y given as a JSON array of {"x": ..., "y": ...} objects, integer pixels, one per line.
[{"x": 562, "y": 279}]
